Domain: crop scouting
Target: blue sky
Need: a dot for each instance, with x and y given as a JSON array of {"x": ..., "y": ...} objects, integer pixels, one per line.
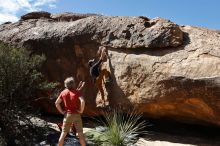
[{"x": 202, "y": 13}]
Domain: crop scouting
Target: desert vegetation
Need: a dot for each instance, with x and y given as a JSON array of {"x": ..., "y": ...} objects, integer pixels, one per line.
[
  {"x": 20, "y": 83},
  {"x": 117, "y": 128}
]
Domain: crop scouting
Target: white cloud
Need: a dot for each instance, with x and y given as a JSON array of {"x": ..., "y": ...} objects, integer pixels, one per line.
[
  {"x": 43, "y": 2},
  {"x": 7, "y": 17},
  {"x": 10, "y": 8},
  {"x": 26, "y": 5},
  {"x": 52, "y": 6}
]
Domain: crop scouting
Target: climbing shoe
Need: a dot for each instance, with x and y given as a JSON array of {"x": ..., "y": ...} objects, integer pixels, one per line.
[{"x": 108, "y": 79}]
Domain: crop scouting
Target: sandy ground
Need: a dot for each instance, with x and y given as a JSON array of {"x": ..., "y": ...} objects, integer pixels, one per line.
[
  {"x": 163, "y": 133},
  {"x": 144, "y": 142}
]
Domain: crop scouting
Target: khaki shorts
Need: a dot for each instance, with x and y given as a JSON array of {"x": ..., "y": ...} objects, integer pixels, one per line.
[{"x": 72, "y": 119}]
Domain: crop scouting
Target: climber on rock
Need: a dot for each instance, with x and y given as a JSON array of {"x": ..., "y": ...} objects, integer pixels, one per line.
[{"x": 99, "y": 75}]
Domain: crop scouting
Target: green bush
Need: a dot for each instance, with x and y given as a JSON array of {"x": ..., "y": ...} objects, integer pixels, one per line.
[
  {"x": 20, "y": 83},
  {"x": 121, "y": 129},
  {"x": 19, "y": 75}
]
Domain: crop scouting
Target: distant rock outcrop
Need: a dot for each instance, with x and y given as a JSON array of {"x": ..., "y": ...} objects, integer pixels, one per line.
[
  {"x": 160, "y": 68},
  {"x": 35, "y": 15},
  {"x": 70, "y": 16}
]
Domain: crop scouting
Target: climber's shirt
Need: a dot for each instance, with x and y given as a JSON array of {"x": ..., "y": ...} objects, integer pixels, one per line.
[{"x": 95, "y": 70}]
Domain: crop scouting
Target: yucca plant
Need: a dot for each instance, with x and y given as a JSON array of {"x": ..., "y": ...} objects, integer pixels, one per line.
[{"x": 121, "y": 129}]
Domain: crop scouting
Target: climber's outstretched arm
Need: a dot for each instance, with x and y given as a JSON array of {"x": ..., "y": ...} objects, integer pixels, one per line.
[
  {"x": 97, "y": 64},
  {"x": 80, "y": 86}
]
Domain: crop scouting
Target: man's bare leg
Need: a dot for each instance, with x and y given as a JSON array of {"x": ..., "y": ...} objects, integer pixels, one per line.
[
  {"x": 82, "y": 139},
  {"x": 61, "y": 139}
]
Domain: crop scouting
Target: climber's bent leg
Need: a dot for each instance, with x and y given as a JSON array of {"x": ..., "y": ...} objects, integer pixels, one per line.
[
  {"x": 99, "y": 86},
  {"x": 105, "y": 73}
]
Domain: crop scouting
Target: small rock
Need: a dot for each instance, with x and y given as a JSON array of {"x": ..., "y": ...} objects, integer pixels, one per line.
[
  {"x": 43, "y": 143},
  {"x": 17, "y": 142},
  {"x": 100, "y": 128}
]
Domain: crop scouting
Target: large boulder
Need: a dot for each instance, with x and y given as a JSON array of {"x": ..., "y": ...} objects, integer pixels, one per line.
[
  {"x": 36, "y": 15},
  {"x": 70, "y": 16},
  {"x": 162, "y": 69}
]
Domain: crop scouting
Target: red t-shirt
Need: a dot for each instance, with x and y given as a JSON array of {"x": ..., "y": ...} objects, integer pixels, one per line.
[{"x": 71, "y": 100}]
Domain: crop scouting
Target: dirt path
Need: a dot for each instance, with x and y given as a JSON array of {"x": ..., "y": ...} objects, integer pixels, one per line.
[
  {"x": 160, "y": 133},
  {"x": 144, "y": 142}
]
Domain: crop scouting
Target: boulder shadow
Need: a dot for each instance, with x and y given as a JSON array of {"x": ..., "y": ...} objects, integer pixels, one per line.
[
  {"x": 116, "y": 96},
  {"x": 176, "y": 132}
]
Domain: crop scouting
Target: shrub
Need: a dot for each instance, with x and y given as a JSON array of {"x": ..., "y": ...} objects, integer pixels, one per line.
[
  {"x": 120, "y": 129},
  {"x": 20, "y": 82},
  {"x": 19, "y": 74}
]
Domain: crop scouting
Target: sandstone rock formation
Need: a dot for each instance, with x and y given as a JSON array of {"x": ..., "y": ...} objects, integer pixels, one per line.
[
  {"x": 70, "y": 16},
  {"x": 36, "y": 15},
  {"x": 164, "y": 70}
]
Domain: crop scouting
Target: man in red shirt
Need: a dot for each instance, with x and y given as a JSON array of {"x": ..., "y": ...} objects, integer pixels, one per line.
[{"x": 71, "y": 98}]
